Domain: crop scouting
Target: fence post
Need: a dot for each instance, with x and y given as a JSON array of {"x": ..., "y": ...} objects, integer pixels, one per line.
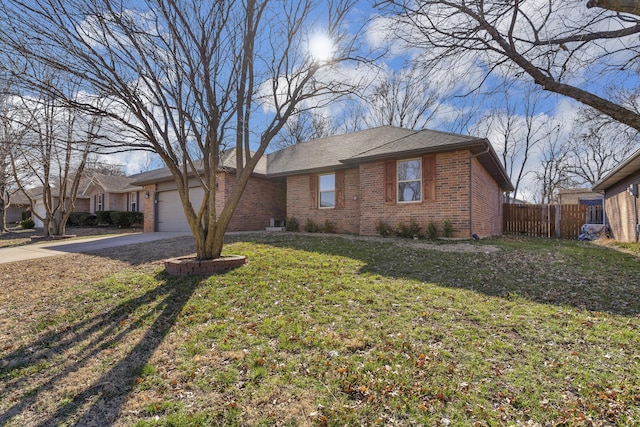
[{"x": 558, "y": 218}]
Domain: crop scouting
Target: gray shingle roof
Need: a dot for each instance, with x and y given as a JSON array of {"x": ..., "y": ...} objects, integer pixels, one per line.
[
  {"x": 115, "y": 184},
  {"x": 228, "y": 162},
  {"x": 343, "y": 151},
  {"x": 626, "y": 168},
  {"x": 328, "y": 153},
  {"x": 386, "y": 142}
]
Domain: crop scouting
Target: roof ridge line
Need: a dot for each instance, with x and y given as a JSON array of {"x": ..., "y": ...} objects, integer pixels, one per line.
[{"x": 414, "y": 132}]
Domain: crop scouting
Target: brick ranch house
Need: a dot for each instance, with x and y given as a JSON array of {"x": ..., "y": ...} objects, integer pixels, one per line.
[
  {"x": 386, "y": 174},
  {"x": 621, "y": 203}
]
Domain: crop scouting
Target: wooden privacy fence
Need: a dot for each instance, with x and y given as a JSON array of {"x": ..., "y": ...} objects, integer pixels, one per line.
[{"x": 563, "y": 221}]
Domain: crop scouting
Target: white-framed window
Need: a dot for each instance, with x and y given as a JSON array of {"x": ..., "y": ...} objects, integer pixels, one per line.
[
  {"x": 409, "y": 180},
  {"x": 327, "y": 191},
  {"x": 100, "y": 202},
  {"x": 133, "y": 201}
]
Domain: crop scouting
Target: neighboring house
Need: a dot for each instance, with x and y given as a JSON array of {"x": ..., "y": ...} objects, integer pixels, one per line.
[
  {"x": 18, "y": 203},
  {"x": 577, "y": 196},
  {"x": 593, "y": 200},
  {"x": 511, "y": 201},
  {"x": 81, "y": 203},
  {"x": 113, "y": 193},
  {"x": 387, "y": 174},
  {"x": 621, "y": 204}
]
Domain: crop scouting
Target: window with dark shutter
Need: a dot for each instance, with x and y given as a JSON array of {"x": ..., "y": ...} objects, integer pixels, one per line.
[
  {"x": 429, "y": 177},
  {"x": 313, "y": 191},
  {"x": 390, "y": 181},
  {"x": 340, "y": 189}
]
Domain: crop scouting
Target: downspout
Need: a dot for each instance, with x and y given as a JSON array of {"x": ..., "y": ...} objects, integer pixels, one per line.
[
  {"x": 634, "y": 194},
  {"x": 473, "y": 156},
  {"x": 155, "y": 209}
]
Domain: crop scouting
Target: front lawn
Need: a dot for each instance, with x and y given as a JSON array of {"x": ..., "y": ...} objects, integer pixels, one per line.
[{"x": 326, "y": 330}]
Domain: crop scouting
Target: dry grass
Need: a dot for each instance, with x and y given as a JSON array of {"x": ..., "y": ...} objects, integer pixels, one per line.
[
  {"x": 17, "y": 236},
  {"x": 321, "y": 330}
]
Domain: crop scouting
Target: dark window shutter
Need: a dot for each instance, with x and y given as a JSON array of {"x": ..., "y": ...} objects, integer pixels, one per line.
[
  {"x": 390, "y": 181},
  {"x": 340, "y": 189},
  {"x": 313, "y": 191},
  {"x": 429, "y": 177}
]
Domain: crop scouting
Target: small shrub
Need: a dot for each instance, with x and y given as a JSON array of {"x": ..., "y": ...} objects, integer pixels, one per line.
[
  {"x": 104, "y": 217},
  {"x": 25, "y": 215},
  {"x": 329, "y": 227},
  {"x": 27, "y": 223},
  {"x": 410, "y": 230},
  {"x": 81, "y": 219},
  {"x": 125, "y": 219},
  {"x": 383, "y": 229},
  {"x": 291, "y": 224},
  {"x": 432, "y": 230},
  {"x": 447, "y": 229},
  {"x": 311, "y": 227}
]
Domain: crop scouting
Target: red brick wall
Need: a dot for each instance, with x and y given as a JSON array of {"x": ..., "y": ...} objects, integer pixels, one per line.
[
  {"x": 364, "y": 204},
  {"x": 487, "y": 202},
  {"x": 619, "y": 209},
  {"x": 451, "y": 198},
  {"x": 262, "y": 200},
  {"x": 149, "y": 207},
  {"x": 345, "y": 219}
]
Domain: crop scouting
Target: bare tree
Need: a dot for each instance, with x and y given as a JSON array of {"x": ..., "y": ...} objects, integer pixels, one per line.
[
  {"x": 405, "y": 98},
  {"x": 10, "y": 135},
  {"x": 5, "y": 181},
  {"x": 560, "y": 45},
  {"x": 95, "y": 165},
  {"x": 303, "y": 127},
  {"x": 622, "y": 6},
  {"x": 598, "y": 144},
  {"x": 5, "y": 164},
  {"x": 553, "y": 172},
  {"x": 187, "y": 77},
  {"x": 517, "y": 128},
  {"x": 51, "y": 155}
]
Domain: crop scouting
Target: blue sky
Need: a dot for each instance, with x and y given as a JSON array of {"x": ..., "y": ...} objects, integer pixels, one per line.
[{"x": 451, "y": 81}]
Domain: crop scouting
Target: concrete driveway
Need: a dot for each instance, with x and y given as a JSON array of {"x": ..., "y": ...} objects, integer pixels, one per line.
[{"x": 82, "y": 245}]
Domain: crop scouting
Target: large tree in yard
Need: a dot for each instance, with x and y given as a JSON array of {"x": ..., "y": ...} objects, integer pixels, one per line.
[
  {"x": 187, "y": 78},
  {"x": 563, "y": 46}
]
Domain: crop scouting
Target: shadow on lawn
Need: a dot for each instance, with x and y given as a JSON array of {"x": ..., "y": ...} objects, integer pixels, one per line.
[
  {"x": 100, "y": 402},
  {"x": 557, "y": 273}
]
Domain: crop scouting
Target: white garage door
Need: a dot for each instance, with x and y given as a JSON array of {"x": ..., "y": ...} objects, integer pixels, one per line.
[{"x": 170, "y": 213}]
